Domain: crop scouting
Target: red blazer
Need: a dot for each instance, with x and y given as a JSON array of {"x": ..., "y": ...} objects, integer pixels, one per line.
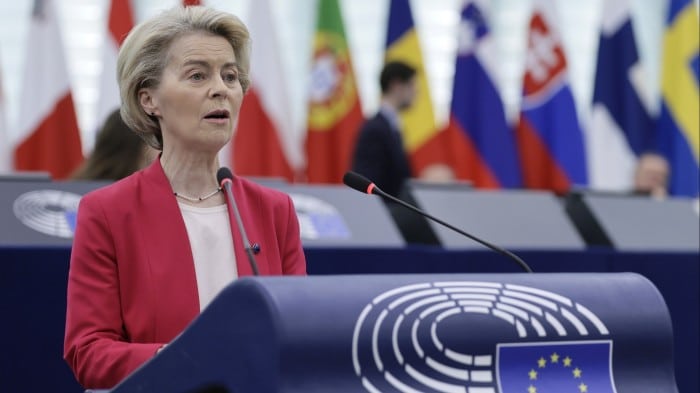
[{"x": 132, "y": 285}]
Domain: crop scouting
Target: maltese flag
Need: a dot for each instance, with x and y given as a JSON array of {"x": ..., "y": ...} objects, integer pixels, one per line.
[
  {"x": 5, "y": 154},
  {"x": 47, "y": 137},
  {"x": 120, "y": 21},
  {"x": 265, "y": 141}
]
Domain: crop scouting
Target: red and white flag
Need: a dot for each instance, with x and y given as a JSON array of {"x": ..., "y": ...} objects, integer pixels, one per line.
[
  {"x": 5, "y": 152},
  {"x": 120, "y": 21},
  {"x": 47, "y": 136},
  {"x": 265, "y": 143}
]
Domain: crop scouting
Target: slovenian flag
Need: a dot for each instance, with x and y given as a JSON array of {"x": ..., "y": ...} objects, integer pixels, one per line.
[
  {"x": 621, "y": 128},
  {"x": 679, "y": 119},
  {"x": 418, "y": 122},
  {"x": 483, "y": 144},
  {"x": 549, "y": 135}
]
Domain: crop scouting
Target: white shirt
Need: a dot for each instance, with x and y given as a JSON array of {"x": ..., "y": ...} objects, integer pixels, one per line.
[{"x": 209, "y": 232}]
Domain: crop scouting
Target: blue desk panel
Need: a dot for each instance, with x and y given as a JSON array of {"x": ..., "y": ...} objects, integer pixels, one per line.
[{"x": 33, "y": 288}]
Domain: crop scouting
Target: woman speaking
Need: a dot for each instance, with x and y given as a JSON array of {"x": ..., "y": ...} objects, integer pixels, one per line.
[{"x": 152, "y": 250}]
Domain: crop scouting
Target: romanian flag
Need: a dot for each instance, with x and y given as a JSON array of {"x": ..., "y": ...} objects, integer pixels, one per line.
[
  {"x": 420, "y": 134},
  {"x": 482, "y": 147},
  {"x": 621, "y": 128},
  {"x": 335, "y": 114},
  {"x": 679, "y": 120},
  {"x": 549, "y": 136}
]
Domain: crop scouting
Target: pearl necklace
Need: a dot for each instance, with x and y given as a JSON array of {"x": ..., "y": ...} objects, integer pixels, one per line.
[{"x": 197, "y": 199}]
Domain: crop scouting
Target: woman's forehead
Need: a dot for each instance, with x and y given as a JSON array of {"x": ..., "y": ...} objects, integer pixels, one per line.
[{"x": 201, "y": 46}]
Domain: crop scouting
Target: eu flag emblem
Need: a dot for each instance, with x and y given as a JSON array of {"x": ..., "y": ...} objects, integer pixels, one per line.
[{"x": 555, "y": 367}]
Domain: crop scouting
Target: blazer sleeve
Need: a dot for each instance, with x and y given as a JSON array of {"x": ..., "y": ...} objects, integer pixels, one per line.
[
  {"x": 96, "y": 344},
  {"x": 293, "y": 259}
]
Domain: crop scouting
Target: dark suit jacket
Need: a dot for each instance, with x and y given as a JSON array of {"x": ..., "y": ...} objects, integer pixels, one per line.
[
  {"x": 380, "y": 155},
  {"x": 132, "y": 284}
]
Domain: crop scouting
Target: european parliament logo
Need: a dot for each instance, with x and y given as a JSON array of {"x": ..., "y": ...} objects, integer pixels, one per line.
[
  {"x": 319, "y": 219},
  {"x": 51, "y": 212},
  {"x": 480, "y": 337}
]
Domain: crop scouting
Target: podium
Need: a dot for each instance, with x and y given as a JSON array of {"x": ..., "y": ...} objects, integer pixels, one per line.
[{"x": 471, "y": 333}]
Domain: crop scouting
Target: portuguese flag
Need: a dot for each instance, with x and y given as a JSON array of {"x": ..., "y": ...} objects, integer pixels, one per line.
[{"x": 335, "y": 114}]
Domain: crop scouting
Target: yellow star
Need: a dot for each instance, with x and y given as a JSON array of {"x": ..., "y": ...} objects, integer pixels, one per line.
[
  {"x": 555, "y": 357},
  {"x": 577, "y": 372},
  {"x": 532, "y": 389},
  {"x": 582, "y": 387},
  {"x": 567, "y": 362},
  {"x": 541, "y": 363},
  {"x": 532, "y": 374}
]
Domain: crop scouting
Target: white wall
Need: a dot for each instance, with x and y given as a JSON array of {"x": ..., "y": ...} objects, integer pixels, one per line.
[{"x": 84, "y": 21}]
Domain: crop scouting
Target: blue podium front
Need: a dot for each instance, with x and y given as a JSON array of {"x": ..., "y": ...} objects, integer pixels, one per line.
[{"x": 470, "y": 333}]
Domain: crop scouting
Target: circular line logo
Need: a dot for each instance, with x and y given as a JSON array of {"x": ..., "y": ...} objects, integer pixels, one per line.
[
  {"x": 319, "y": 219},
  {"x": 50, "y": 212},
  {"x": 413, "y": 314}
]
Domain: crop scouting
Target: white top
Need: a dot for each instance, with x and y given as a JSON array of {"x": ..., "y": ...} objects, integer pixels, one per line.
[{"x": 209, "y": 231}]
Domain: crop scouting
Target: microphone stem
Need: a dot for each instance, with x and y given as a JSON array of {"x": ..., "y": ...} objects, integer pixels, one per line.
[
  {"x": 239, "y": 222},
  {"x": 500, "y": 250}
]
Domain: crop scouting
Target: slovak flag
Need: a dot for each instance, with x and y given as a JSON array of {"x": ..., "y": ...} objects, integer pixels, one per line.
[
  {"x": 265, "y": 143},
  {"x": 482, "y": 143},
  {"x": 550, "y": 140},
  {"x": 47, "y": 137},
  {"x": 120, "y": 22},
  {"x": 621, "y": 128}
]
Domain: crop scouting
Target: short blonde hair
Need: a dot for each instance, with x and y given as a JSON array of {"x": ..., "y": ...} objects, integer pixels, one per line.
[{"x": 143, "y": 56}]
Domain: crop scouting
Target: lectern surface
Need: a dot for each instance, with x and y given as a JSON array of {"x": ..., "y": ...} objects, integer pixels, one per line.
[{"x": 485, "y": 333}]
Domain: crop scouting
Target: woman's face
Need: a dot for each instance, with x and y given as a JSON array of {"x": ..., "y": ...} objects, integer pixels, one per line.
[{"x": 199, "y": 97}]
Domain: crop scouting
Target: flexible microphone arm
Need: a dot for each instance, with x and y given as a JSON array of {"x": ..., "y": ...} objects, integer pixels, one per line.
[
  {"x": 364, "y": 185},
  {"x": 225, "y": 179}
]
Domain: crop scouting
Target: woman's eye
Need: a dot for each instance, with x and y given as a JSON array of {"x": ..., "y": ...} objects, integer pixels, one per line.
[
  {"x": 197, "y": 76},
  {"x": 231, "y": 77}
]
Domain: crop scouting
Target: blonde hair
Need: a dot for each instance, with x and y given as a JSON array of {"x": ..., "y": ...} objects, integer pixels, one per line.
[{"x": 143, "y": 56}]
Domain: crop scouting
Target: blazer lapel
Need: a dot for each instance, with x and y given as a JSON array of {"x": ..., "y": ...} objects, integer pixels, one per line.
[{"x": 168, "y": 247}]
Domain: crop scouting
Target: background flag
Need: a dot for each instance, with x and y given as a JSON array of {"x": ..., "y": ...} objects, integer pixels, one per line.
[
  {"x": 47, "y": 137},
  {"x": 679, "y": 122},
  {"x": 418, "y": 122},
  {"x": 335, "y": 114},
  {"x": 120, "y": 22},
  {"x": 5, "y": 152},
  {"x": 621, "y": 127},
  {"x": 482, "y": 143},
  {"x": 549, "y": 135},
  {"x": 264, "y": 141}
]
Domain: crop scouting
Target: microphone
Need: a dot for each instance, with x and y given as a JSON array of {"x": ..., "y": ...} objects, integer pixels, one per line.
[
  {"x": 225, "y": 179},
  {"x": 364, "y": 185}
]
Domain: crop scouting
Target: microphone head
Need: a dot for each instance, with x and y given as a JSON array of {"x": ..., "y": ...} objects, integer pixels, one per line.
[
  {"x": 223, "y": 174},
  {"x": 358, "y": 182}
]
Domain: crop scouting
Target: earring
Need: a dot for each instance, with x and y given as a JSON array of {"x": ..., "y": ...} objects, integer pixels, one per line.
[{"x": 153, "y": 113}]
